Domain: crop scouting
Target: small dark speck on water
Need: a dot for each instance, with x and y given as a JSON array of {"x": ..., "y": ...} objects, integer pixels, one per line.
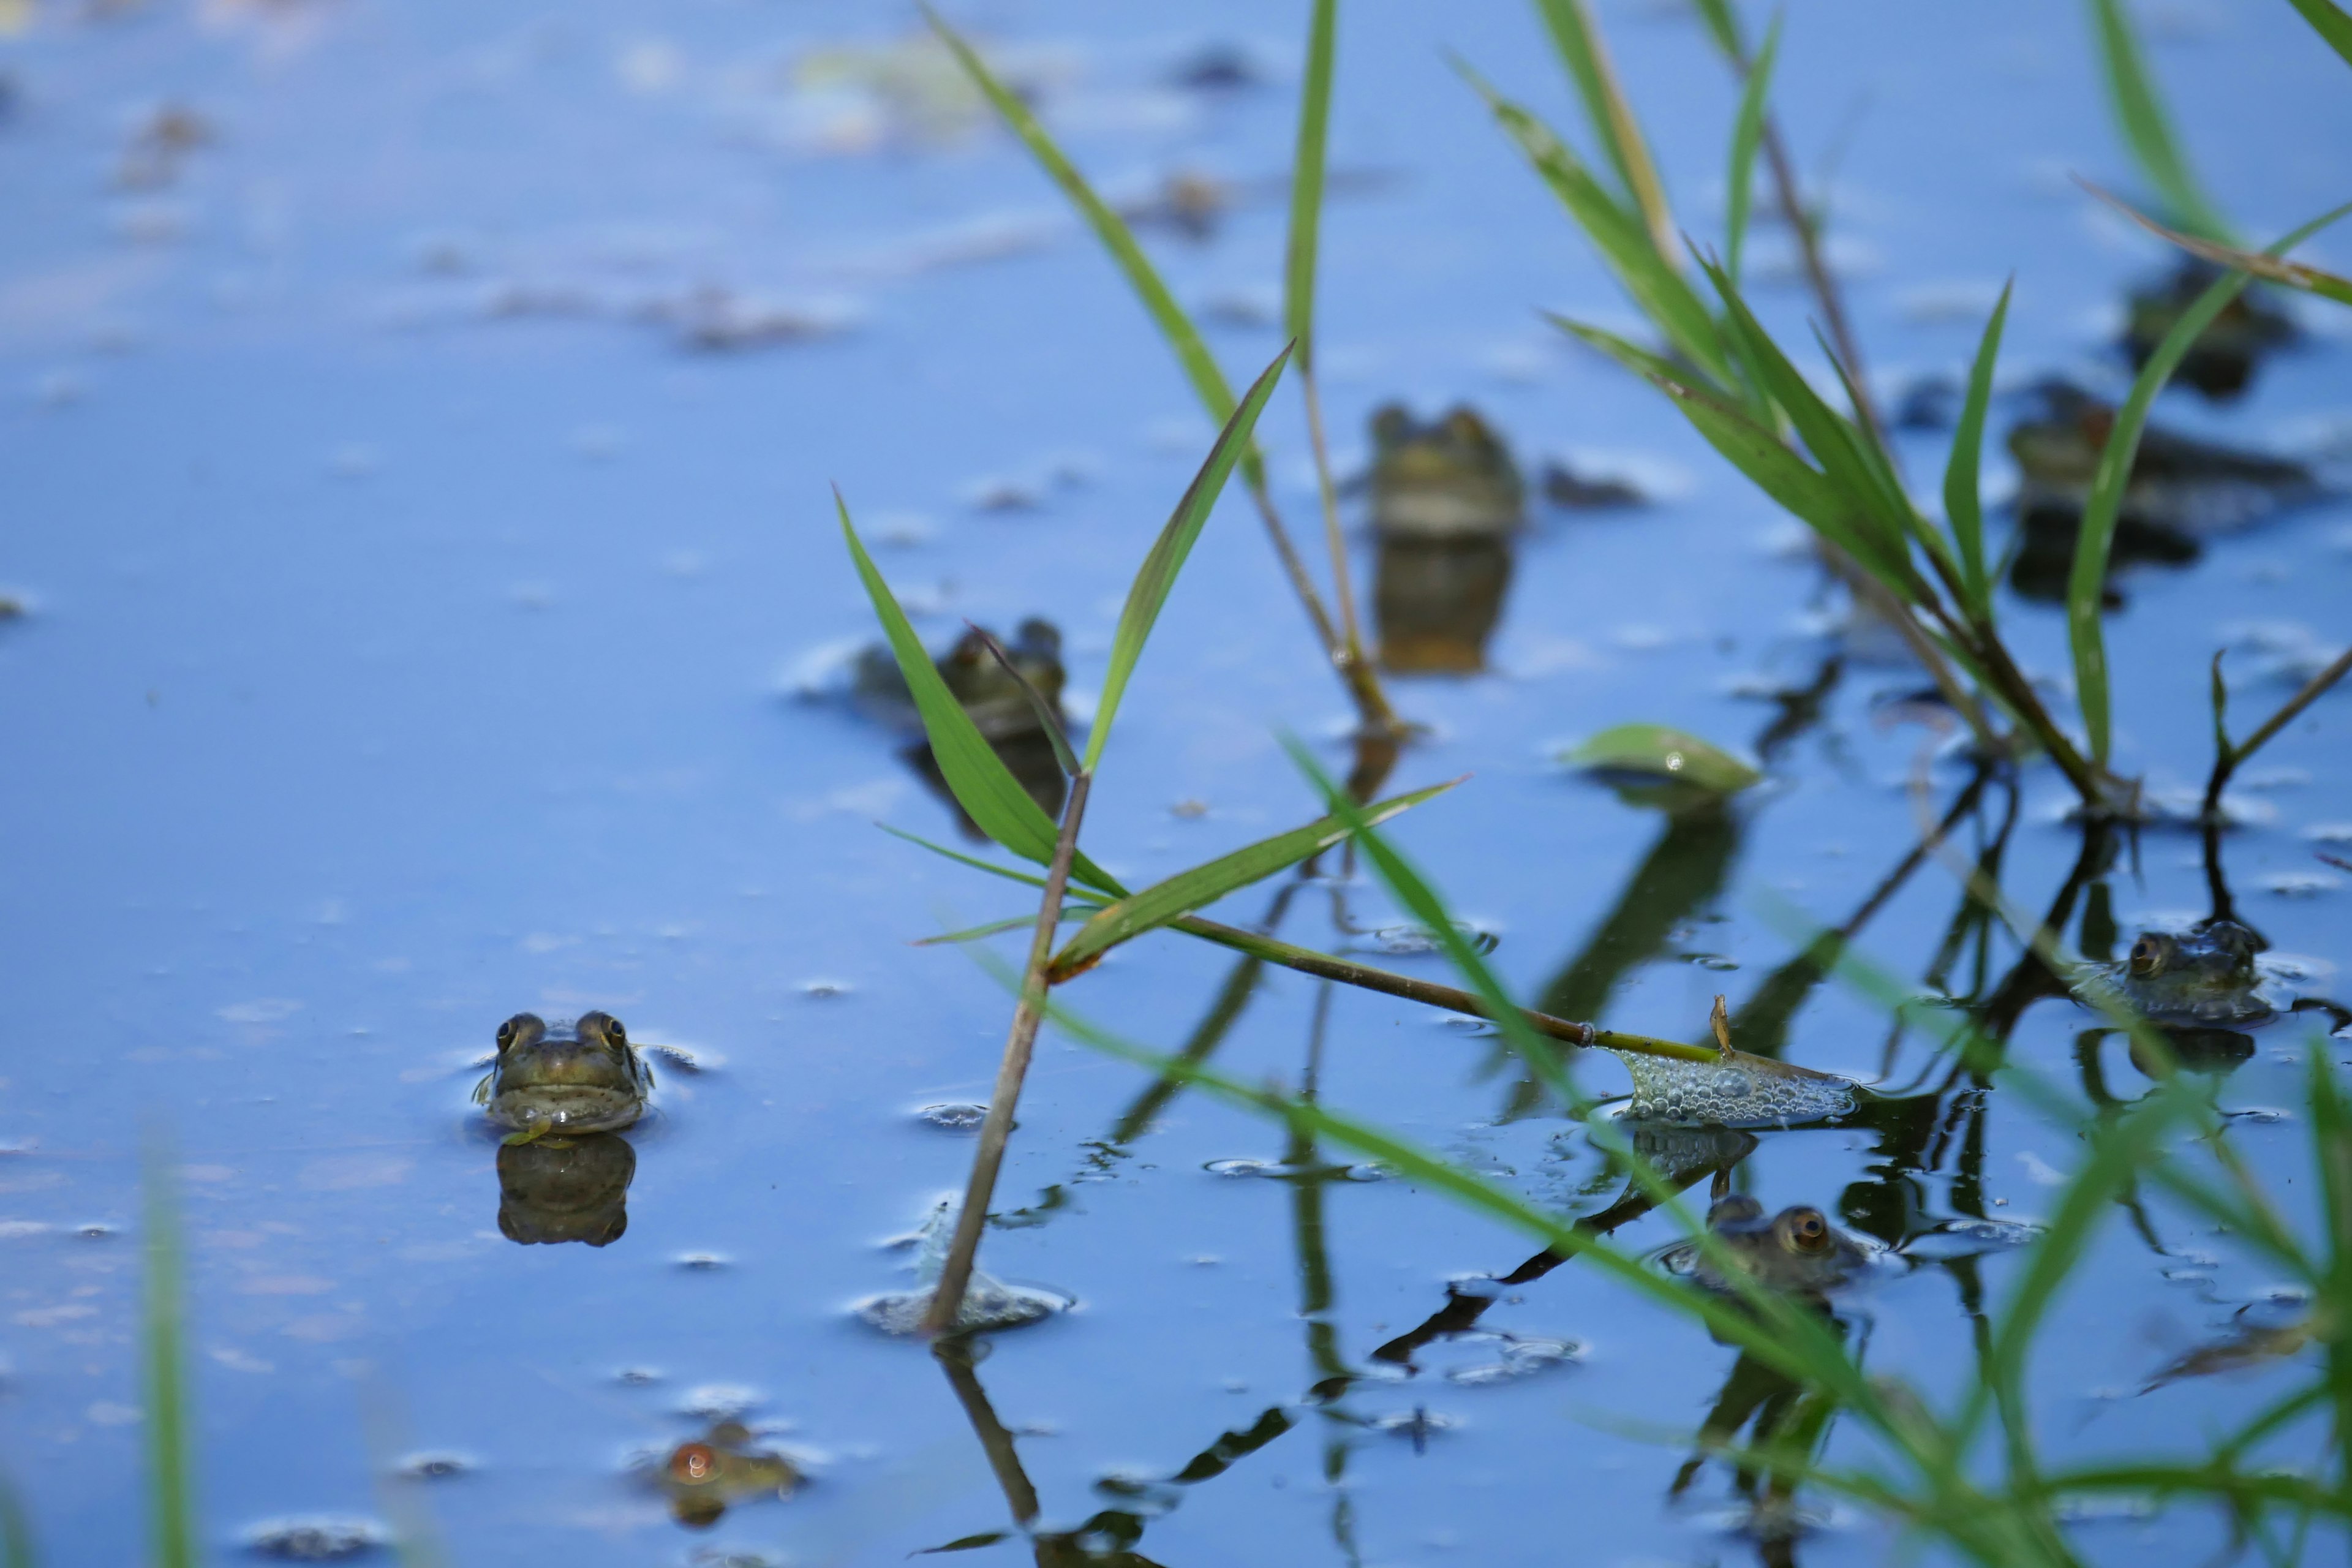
[{"x": 315, "y": 1538}]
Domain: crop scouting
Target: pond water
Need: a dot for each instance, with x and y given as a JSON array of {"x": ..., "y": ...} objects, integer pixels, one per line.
[{"x": 418, "y": 452}]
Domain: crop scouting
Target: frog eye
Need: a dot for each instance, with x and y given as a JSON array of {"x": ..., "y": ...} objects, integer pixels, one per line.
[
  {"x": 2149, "y": 955},
  {"x": 614, "y": 1033},
  {"x": 1808, "y": 1230},
  {"x": 693, "y": 1462}
]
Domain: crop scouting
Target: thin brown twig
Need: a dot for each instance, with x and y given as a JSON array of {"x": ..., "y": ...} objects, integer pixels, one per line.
[
  {"x": 1020, "y": 1042},
  {"x": 1306, "y": 960},
  {"x": 2227, "y": 758},
  {"x": 1350, "y": 627}
]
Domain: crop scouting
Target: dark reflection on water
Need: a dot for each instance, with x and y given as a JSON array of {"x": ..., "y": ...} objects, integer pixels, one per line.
[
  {"x": 566, "y": 1189},
  {"x": 1438, "y": 601}
]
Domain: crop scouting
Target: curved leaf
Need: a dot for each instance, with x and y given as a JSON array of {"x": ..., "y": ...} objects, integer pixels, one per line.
[
  {"x": 1963, "y": 509},
  {"x": 1661, "y": 752}
]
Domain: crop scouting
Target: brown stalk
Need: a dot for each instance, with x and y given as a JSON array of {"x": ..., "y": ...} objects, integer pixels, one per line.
[
  {"x": 1363, "y": 683},
  {"x": 1306, "y": 960},
  {"x": 1020, "y": 1043},
  {"x": 1350, "y": 627}
]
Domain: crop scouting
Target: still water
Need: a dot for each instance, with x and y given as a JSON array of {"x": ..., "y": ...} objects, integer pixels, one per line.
[{"x": 417, "y": 422}]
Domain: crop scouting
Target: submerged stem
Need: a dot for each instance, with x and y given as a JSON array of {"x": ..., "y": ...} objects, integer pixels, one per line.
[
  {"x": 1306, "y": 960},
  {"x": 2227, "y": 758},
  {"x": 1020, "y": 1041},
  {"x": 1349, "y": 627}
]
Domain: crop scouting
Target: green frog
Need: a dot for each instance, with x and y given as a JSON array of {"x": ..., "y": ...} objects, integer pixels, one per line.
[
  {"x": 586, "y": 1077},
  {"x": 1797, "y": 1252},
  {"x": 2222, "y": 359},
  {"x": 704, "y": 1478},
  {"x": 2204, "y": 978},
  {"x": 992, "y": 699},
  {"x": 2180, "y": 490},
  {"x": 1452, "y": 478}
]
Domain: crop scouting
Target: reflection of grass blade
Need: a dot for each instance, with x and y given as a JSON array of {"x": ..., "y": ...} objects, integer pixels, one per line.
[
  {"x": 2330, "y": 23},
  {"x": 2085, "y": 587},
  {"x": 170, "y": 1499},
  {"x": 2329, "y": 1138},
  {"x": 1307, "y": 184},
  {"x": 1155, "y": 906},
  {"x": 1183, "y": 337},
  {"x": 981, "y": 782},
  {"x": 1631, "y": 254},
  {"x": 1166, "y": 558},
  {"x": 2146, "y": 126},
  {"x": 1746, "y": 132},
  {"x": 1586, "y": 54},
  {"x": 1962, "y": 507}
]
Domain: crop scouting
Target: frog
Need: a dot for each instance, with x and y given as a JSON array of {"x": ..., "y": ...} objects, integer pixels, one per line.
[
  {"x": 990, "y": 697},
  {"x": 2181, "y": 490},
  {"x": 2204, "y": 978},
  {"x": 1452, "y": 478},
  {"x": 704, "y": 1476},
  {"x": 2222, "y": 359},
  {"x": 564, "y": 1080},
  {"x": 1796, "y": 1253}
]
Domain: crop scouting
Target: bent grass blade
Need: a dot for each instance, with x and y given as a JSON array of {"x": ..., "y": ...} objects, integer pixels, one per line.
[
  {"x": 977, "y": 776},
  {"x": 1157, "y": 574},
  {"x": 2146, "y": 127},
  {"x": 1746, "y": 134},
  {"x": 1155, "y": 906}
]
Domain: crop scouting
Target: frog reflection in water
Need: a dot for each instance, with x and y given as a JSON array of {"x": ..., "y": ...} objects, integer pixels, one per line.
[
  {"x": 2181, "y": 492},
  {"x": 2203, "y": 978},
  {"x": 586, "y": 1077},
  {"x": 2222, "y": 358},
  {"x": 565, "y": 1189},
  {"x": 705, "y": 1477},
  {"x": 1446, "y": 499},
  {"x": 991, "y": 698}
]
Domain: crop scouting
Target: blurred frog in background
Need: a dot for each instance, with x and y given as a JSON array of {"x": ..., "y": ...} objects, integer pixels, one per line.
[
  {"x": 991, "y": 698},
  {"x": 2204, "y": 977},
  {"x": 704, "y": 1478},
  {"x": 2180, "y": 490},
  {"x": 2224, "y": 356},
  {"x": 1446, "y": 500}
]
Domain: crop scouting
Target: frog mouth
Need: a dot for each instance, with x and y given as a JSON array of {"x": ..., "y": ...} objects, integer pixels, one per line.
[{"x": 578, "y": 1107}]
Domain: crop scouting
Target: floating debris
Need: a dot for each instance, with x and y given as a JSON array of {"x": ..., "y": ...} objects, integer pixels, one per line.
[
  {"x": 954, "y": 1116},
  {"x": 1564, "y": 487},
  {"x": 1520, "y": 1358},
  {"x": 436, "y": 1466},
  {"x": 316, "y": 1538},
  {"x": 988, "y": 1304},
  {"x": 160, "y": 145}
]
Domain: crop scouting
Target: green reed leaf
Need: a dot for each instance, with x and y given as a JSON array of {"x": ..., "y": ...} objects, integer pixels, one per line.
[
  {"x": 1186, "y": 891},
  {"x": 1157, "y": 575},
  {"x": 976, "y": 775},
  {"x": 1191, "y": 352},
  {"x": 1764, "y": 457},
  {"x": 15, "y": 1531},
  {"x": 2085, "y": 587},
  {"x": 997, "y": 927},
  {"x": 1661, "y": 752},
  {"x": 1662, "y": 292},
  {"x": 1306, "y": 183},
  {"x": 1747, "y": 133},
  {"x": 1577, "y": 37},
  {"x": 171, "y": 1482},
  {"x": 1963, "y": 507},
  {"x": 2148, "y": 129},
  {"x": 2331, "y": 23}
]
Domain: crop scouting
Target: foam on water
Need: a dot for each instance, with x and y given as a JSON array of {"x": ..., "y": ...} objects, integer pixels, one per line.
[{"x": 1738, "y": 1091}]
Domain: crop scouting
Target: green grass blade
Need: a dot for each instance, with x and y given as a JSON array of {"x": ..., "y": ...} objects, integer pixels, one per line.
[
  {"x": 1762, "y": 456},
  {"x": 1577, "y": 37},
  {"x": 978, "y": 777},
  {"x": 2331, "y": 1138},
  {"x": 1661, "y": 291},
  {"x": 1157, "y": 575},
  {"x": 2085, "y": 587},
  {"x": 1723, "y": 28},
  {"x": 1746, "y": 134},
  {"x": 2330, "y": 23},
  {"x": 1186, "y": 891},
  {"x": 995, "y": 928},
  {"x": 15, "y": 1531},
  {"x": 1306, "y": 183},
  {"x": 171, "y": 1490},
  {"x": 1048, "y": 716},
  {"x": 1191, "y": 352},
  {"x": 2147, "y": 128},
  {"x": 1963, "y": 507}
]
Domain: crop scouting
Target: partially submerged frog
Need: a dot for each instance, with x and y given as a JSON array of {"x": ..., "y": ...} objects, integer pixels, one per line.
[
  {"x": 1797, "y": 1252},
  {"x": 1450, "y": 479},
  {"x": 2222, "y": 358},
  {"x": 704, "y": 1478},
  {"x": 2202, "y": 978},
  {"x": 566, "y": 1079},
  {"x": 992, "y": 699},
  {"x": 2180, "y": 490}
]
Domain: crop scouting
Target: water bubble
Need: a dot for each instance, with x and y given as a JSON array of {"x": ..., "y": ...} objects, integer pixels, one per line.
[
  {"x": 953, "y": 1116},
  {"x": 436, "y": 1466},
  {"x": 316, "y": 1538},
  {"x": 703, "y": 1262}
]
